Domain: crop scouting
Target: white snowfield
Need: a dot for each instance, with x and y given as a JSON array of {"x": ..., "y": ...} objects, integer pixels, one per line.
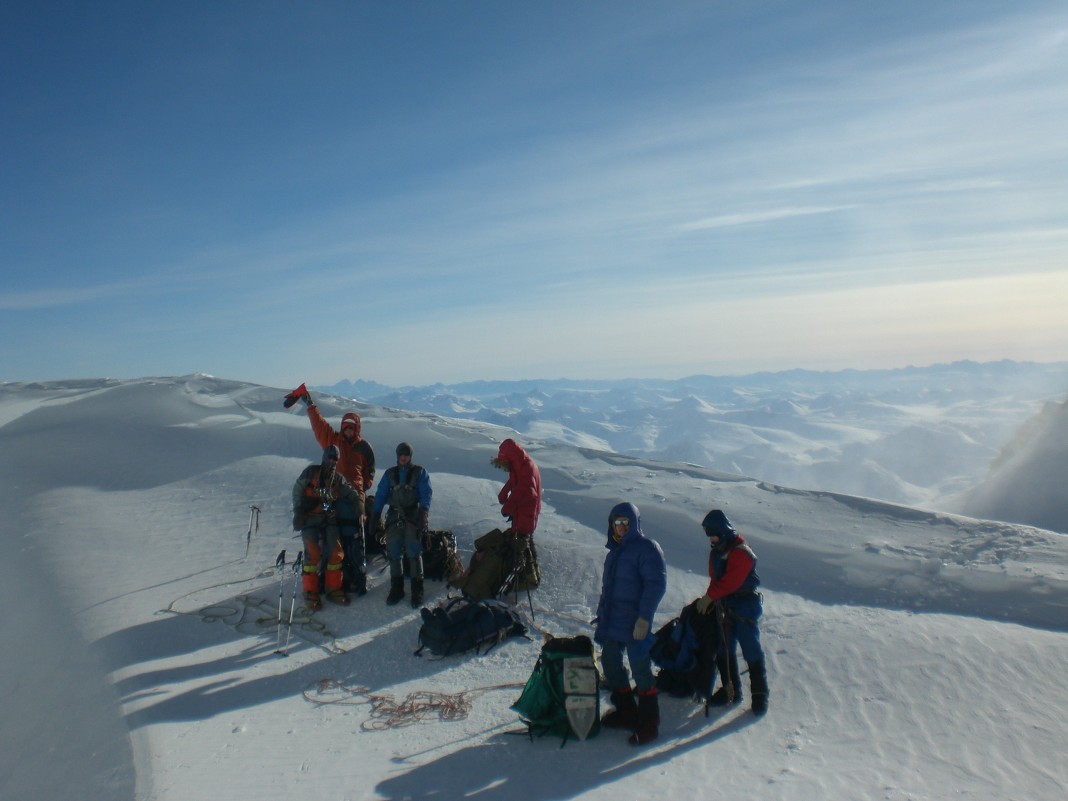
[{"x": 911, "y": 654}]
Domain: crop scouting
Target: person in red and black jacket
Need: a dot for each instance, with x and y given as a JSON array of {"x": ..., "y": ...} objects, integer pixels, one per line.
[
  {"x": 733, "y": 586},
  {"x": 317, "y": 493}
]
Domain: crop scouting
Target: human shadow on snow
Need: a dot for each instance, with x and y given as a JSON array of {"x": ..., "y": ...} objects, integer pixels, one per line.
[
  {"x": 367, "y": 645},
  {"x": 511, "y": 767}
]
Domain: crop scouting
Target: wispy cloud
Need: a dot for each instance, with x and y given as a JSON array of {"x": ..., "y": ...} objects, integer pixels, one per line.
[
  {"x": 754, "y": 217},
  {"x": 61, "y": 297}
]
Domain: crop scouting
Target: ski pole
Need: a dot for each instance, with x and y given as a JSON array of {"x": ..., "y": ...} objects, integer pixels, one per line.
[
  {"x": 253, "y": 515},
  {"x": 280, "y": 564},
  {"x": 298, "y": 570}
]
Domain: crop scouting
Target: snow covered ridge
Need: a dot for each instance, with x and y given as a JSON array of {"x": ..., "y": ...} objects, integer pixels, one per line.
[
  {"x": 936, "y": 640},
  {"x": 918, "y": 436}
]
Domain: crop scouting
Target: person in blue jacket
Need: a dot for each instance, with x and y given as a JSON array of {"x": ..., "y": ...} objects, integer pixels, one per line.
[
  {"x": 634, "y": 582},
  {"x": 406, "y": 489}
]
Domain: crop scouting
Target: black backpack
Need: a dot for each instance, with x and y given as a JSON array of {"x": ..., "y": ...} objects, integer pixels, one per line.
[
  {"x": 440, "y": 560},
  {"x": 561, "y": 697},
  {"x": 458, "y": 625},
  {"x": 686, "y": 650}
]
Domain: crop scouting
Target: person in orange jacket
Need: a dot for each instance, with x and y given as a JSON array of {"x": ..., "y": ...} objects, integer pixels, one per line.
[{"x": 357, "y": 465}]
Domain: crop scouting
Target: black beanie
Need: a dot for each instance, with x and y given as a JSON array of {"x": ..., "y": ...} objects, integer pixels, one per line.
[{"x": 716, "y": 524}]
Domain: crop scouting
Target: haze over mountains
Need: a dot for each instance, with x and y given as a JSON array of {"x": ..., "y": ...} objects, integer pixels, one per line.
[{"x": 918, "y": 436}]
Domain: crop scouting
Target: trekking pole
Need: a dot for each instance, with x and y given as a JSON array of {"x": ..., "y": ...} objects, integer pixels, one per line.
[
  {"x": 728, "y": 680},
  {"x": 253, "y": 515},
  {"x": 280, "y": 565},
  {"x": 530, "y": 602},
  {"x": 521, "y": 563},
  {"x": 298, "y": 570}
]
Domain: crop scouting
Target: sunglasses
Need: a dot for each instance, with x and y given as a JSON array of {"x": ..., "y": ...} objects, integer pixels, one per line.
[{"x": 622, "y": 521}]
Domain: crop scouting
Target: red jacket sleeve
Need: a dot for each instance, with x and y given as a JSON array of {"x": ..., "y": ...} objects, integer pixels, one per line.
[{"x": 739, "y": 563}]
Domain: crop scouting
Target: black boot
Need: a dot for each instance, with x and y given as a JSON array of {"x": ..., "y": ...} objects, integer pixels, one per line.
[
  {"x": 728, "y": 672},
  {"x": 648, "y": 719},
  {"x": 396, "y": 590},
  {"x": 360, "y": 585},
  {"x": 625, "y": 714},
  {"x": 417, "y": 593},
  {"x": 758, "y": 685}
]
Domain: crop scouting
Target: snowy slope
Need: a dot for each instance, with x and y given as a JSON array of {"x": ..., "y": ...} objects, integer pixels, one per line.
[{"x": 912, "y": 655}]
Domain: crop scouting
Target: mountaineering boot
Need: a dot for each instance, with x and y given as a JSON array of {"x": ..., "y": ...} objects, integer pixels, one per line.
[
  {"x": 313, "y": 601},
  {"x": 758, "y": 686},
  {"x": 625, "y": 714},
  {"x": 338, "y": 597},
  {"x": 396, "y": 590},
  {"x": 417, "y": 593},
  {"x": 648, "y": 719},
  {"x": 728, "y": 671},
  {"x": 359, "y": 586}
]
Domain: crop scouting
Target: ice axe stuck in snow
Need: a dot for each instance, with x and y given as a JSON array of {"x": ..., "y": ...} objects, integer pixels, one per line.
[{"x": 253, "y": 518}]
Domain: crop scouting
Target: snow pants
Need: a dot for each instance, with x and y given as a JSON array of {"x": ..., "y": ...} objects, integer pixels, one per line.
[
  {"x": 322, "y": 555},
  {"x": 401, "y": 538}
]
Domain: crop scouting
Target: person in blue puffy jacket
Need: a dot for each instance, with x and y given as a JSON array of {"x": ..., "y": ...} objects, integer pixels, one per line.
[{"x": 634, "y": 582}]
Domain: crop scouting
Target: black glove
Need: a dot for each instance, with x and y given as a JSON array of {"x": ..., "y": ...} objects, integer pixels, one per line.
[
  {"x": 424, "y": 520},
  {"x": 298, "y": 521},
  {"x": 376, "y": 523}
]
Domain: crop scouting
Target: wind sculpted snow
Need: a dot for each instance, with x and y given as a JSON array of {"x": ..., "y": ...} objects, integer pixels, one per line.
[{"x": 912, "y": 654}]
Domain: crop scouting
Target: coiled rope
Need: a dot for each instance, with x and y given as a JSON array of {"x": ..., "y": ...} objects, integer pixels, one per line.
[{"x": 388, "y": 713}]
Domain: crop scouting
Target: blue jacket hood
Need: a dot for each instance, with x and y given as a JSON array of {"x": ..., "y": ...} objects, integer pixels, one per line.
[{"x": 628, "y": 510}]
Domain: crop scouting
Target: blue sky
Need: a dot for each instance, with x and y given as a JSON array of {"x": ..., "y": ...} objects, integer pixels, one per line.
[{"x": 414, "y": 192}]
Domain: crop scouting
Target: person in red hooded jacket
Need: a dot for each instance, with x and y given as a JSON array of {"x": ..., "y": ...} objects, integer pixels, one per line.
[
  {"x": 520, "y": 497},
  {"x": 520, "y": 500}
]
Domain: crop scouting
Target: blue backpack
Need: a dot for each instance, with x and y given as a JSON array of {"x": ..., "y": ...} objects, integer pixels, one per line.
[{"x": 685, "y": 650}]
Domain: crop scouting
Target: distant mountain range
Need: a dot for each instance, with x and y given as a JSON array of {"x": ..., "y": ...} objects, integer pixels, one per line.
[{"x": 919, "y": 436}]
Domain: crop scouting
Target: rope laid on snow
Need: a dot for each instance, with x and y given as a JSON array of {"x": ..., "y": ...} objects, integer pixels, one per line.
[{"x": 388, "y": 713}]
